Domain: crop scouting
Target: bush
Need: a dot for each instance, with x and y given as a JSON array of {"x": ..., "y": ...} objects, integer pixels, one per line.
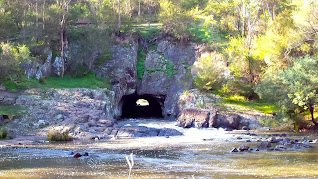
[
  {"x": 210, "y": 72},
  {"x": 3, "y": 133},
  {"x": 58, "y": 136},
  {"x": 78, "y": 70},
  {"x": 237, "y": 87},
  {"x": 42, "y": 80}
]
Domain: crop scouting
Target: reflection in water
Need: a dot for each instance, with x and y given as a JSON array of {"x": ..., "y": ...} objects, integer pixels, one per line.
[{"x": 200, "y": 153}]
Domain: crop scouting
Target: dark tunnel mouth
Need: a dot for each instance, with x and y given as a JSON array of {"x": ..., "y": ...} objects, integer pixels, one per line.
[{"x": 130, "y": 109}]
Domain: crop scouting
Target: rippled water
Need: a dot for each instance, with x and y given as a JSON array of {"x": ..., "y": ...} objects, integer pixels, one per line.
[{"x": 200, "y": 153}]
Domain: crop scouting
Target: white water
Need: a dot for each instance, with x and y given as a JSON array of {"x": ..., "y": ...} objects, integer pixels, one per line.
[{"x": 199, "y": 153}]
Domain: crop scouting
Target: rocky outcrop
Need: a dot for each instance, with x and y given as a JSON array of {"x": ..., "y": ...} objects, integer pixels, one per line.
[
  {"x": 200, "y": 118},
  {"x": 200, "y": 110},
  {"x": 166, "y": 73},
  {"x": 141, "y": 131},
  {"x": 45, "y": 69},
  {"x": 194, "y": 117},
  {"x": 122, "y": 72},
  {"x": 75, "y": 110}
]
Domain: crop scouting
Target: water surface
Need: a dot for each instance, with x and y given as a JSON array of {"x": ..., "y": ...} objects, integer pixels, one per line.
[{"x": 200, "y": 153}]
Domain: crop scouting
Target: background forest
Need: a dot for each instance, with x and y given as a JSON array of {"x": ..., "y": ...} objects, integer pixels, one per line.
[{"x": 270, "y": 46}]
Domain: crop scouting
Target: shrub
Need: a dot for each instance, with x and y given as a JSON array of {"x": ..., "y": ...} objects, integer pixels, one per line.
[
  {"x": 237, "y": 87},
  {"x": 3, "y": 133},
  {"x": 210, "y": 72},
  {"x": 78, "y": 70},
  {"x": 58, "y": 136},
  {"x": 42, "y": 80}
]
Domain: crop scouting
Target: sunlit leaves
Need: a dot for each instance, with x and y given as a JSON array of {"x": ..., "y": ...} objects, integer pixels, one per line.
[{"x": 294, "y": 87}]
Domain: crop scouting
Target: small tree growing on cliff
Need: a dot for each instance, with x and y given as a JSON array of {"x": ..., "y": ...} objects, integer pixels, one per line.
[{"x": 295, "y": 87}]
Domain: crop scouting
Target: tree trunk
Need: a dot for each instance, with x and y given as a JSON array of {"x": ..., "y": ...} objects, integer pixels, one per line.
[
  {"x": 43, "y": 18},
  {"x": 65, "y": 7},
  {"x": 311, "y": 109},
  {"x": 119, "y": 18},
  {"x": 25, "y": 20},
  {"x": 139, "y": 8},
  {"x": 36, "y": 22}
]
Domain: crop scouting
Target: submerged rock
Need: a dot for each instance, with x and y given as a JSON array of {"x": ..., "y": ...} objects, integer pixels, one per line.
[
  {"x": 234, "y": 150},
  {"x": 264, "y": 145},
  {"x": 243, "y": 148},
  {"x": 280, "y": 147},
  {"x": 77, "y": 155}
]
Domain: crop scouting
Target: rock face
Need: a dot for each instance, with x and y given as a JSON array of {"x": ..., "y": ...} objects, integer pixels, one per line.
[
  {"x": 122, "y": 72},
  {"x": 48, "y": 68},
  {"x": 194, "y": 117},
  {"x": 37, "y": 70},
  {"x": 200, "y": 118},
  {"x": 167, "y": 74}
]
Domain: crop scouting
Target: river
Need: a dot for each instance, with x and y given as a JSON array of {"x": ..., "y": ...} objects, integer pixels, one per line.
[{"x": 199, "y": 153}]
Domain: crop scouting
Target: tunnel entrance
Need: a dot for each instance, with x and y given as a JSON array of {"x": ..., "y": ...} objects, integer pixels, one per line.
[{"x": 141, "y": 106}]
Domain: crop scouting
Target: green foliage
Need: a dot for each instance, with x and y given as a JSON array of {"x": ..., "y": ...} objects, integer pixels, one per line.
[
  {"x": 259, "y": 105},
  {"x": 87, "y": 81},
  {"x": 58, "y": 136},
  {"x": 153, "y": 47},
  {"x": 175, "y": 19},
  {"x": 167, "y": 67},
  {"x": 209, "y": 72},
  {"x": 3, "y": 133},
  {"x": 295, "y": 87},
  {"x": 237, "y": 87},
  {"x": 12, "y": 110},
  {"x": 78, "y": 70},
  {"x": 10, "y": 59},
  {"x": 88, "y": 42},
  {"x": 42, "y": 80},
  {"x": 149, "y": 33},
  {"x": 101, "y": 60},
  {"x": 141, "y": 57}
]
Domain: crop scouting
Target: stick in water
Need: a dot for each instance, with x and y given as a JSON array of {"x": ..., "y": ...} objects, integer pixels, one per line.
[{"x": 130, "y": 164}]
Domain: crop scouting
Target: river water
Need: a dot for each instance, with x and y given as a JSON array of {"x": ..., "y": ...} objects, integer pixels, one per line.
[{"x": 200, "y": 153}]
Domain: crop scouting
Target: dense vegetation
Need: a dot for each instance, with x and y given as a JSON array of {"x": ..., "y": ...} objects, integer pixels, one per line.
[{"x": 269, "y": 46}]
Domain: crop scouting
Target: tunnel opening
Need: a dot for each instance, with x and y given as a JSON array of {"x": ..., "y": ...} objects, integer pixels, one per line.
[{"x": 141, "y": 106}]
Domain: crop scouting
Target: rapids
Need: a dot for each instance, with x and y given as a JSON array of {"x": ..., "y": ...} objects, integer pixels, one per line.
[{"x": 199, "y": 153}]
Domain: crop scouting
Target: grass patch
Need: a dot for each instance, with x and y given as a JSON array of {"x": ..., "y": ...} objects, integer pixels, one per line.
[
  {"x": 258, "y": 105},
  {"x": 12, "y": 110},
  {"x": 57, "y": 136},
  {"x": 89, "y": 81}
]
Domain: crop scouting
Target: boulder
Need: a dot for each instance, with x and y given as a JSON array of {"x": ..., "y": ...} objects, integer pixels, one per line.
[
  {"x": 77, "y": 155},
  {"x": 264, "y": 145},
  {"x": 243, "y": 148},
  {"x": 234, "y": 150},
  {"x": 194, "y": 117},
  {"x": 280, "y": 147},
  {"x": 227, "y": 121}
]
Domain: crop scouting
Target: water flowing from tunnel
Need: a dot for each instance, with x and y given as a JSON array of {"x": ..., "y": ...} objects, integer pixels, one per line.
[{"x": 199, "y": 153}]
